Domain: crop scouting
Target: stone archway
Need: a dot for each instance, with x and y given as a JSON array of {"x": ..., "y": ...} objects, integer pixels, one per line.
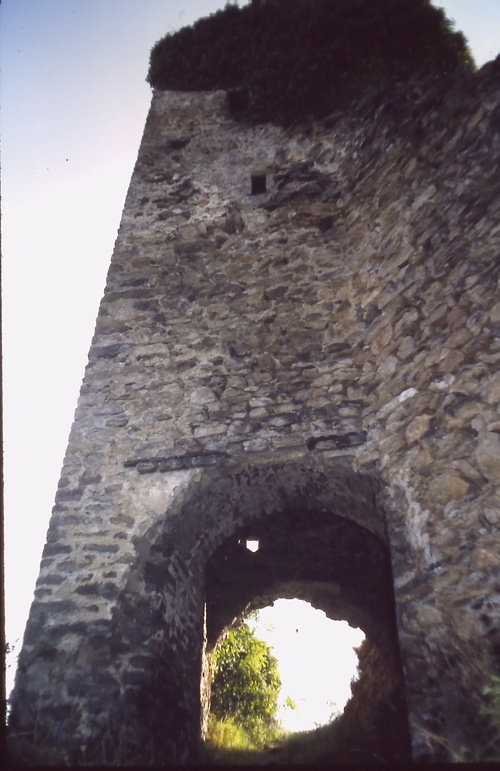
[
  {"x": 128, "y": 684},
  {"x": 339, "y": 567},
  {"x": 321, "y": 538}
]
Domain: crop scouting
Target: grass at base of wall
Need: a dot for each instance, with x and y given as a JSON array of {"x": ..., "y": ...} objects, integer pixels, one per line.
[
  {"x": 337, "y": 742},
  {"x": 229, "y": 742}
]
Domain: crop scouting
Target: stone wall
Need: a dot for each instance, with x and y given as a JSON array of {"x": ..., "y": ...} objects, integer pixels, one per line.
[{"x": 324, "y": 351}]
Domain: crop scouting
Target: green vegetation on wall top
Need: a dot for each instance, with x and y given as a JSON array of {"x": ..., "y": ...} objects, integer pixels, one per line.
[{"x": 294, "y": 59}]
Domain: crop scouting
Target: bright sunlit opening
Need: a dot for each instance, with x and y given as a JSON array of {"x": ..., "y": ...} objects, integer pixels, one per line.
[
  {"x": 252, "y": 546},
  {"x": 317, "y": 661}
]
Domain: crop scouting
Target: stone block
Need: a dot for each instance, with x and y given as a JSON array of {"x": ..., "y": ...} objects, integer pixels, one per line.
[
  {"x": 487, "y": 456},
  {"x": 444, "y": 488}
]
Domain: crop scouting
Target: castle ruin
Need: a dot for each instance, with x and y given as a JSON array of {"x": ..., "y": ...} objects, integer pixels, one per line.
[{"x": 297, "y": 344}]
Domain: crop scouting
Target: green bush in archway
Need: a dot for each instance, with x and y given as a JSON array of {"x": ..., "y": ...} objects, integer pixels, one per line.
[{"x": 246, "y": 681}]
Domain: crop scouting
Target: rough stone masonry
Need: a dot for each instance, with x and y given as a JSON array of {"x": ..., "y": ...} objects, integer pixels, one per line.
[{"x": 314, "y": 366}]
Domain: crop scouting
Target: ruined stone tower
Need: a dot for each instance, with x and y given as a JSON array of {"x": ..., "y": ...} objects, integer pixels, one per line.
[{"x": 298, "y": 343}]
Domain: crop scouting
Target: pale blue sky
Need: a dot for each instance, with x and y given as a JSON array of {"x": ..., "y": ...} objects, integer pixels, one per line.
[{"x": 74, "y": 101}]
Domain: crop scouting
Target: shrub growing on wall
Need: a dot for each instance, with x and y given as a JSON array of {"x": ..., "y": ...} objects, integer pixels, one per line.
[{"x": 300, "y": 58}]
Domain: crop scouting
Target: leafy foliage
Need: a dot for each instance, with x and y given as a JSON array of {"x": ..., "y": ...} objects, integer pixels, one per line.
[
  {"x": 246, "y": 681},
  {"x": 300, "y": 58},
  {"x": 229, "y": 742},
  {"x": 290, "y": 703}
]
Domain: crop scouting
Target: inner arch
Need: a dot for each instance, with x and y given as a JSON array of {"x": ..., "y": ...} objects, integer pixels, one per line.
[
  {"x": 337, "y": 565},
  {"x": 327, "y": 560},
  {"x": 321, "y": 537}
]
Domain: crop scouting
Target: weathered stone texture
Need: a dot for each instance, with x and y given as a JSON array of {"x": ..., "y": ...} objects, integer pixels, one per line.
[{"x": 343, "y": 325}]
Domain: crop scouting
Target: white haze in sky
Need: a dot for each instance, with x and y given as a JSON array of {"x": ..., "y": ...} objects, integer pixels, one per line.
[{"x": 74, "y": 102}]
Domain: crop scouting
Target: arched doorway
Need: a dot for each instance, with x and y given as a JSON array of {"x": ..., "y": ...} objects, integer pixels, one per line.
[
  {"x": 339, "y": 567},
  {"x": 188, "y": 575}
]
